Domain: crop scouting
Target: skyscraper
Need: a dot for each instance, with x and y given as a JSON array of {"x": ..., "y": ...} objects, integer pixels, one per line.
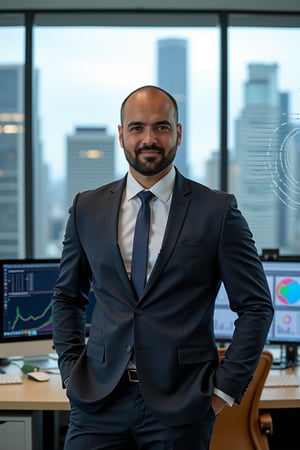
[
  {"x": 255, "y": 128},
  {"x": 12, "y": 222},
  {"x": 12, "y": 161},
  {"x": 12, "y": 167},
  {"x": 172, "y": 76},
  {"x": 90, "y": 160}
]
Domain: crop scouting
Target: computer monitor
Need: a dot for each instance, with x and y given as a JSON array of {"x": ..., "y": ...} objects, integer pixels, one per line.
[
  {"x": 26, "y": 329},
  {"x": 283, "y": 276}
]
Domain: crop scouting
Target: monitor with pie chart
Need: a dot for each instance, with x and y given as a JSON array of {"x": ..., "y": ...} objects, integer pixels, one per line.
[{"x": 283, "y": 276}]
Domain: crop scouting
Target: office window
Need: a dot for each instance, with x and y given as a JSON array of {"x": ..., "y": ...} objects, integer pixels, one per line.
[
  {"x": 264, "y": 131},
  {"x": 84, "y": 73},
  {"x": 83, "y": 67},
  {"x": 12, "y": 219}
]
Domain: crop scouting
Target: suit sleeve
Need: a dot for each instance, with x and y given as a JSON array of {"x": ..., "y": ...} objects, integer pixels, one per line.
[
  {"x": 249, "y": 296},
  {"x": 70, "y": 299}
]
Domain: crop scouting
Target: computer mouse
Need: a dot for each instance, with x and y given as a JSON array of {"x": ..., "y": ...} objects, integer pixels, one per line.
[{"x": 38, "y": 376}]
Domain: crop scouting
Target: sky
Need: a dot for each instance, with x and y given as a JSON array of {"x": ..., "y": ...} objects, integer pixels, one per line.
[
  {"x": 108, "y": 77},
  {"x": 84, "y": 74}
]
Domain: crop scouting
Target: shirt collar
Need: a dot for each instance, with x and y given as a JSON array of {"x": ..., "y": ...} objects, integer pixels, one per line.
[{"x": 162, "y": 189}]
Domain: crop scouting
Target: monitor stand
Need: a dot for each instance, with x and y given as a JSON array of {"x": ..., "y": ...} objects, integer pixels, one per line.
[
  {"x": 288, "y": 357},
  {"x": 291, "y": 355}
]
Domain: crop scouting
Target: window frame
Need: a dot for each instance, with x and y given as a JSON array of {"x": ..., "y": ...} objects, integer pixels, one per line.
[{"x": 187, "y": 16}]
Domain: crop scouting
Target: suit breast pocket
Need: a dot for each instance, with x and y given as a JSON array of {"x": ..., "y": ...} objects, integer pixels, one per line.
[
  {"x": 194, "y": 261},
  {"x": 195, "y": 248}
]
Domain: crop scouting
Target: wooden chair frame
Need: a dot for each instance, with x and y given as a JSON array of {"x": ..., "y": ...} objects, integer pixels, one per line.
[{"x": 244, "y": 427}]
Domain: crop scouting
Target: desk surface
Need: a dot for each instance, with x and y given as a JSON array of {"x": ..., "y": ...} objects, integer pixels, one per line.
[
  {"x": 49, "y": 395},
  {"x": 283, "y": 396},
  {"x": 34, "y": 395}
]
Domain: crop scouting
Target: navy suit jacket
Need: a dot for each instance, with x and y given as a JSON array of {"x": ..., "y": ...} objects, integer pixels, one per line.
[{"x": 171, "y": 326}]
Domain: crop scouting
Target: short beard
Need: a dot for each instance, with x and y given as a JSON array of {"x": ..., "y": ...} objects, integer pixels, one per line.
[{"x": 143, "y": 168}]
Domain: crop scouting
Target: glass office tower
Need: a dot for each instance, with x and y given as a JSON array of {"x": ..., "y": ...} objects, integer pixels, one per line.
[
  {"x": 90, "y": 160},
  {"x": 12, "y": 225},
  {"x": 172, "y": 76}
]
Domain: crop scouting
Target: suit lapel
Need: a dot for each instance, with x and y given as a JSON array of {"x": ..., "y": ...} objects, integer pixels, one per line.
[
  {"x": 178, "y": 211},
  {"x": 179, "y": 208},
  {"x": 112, "y": 206}
]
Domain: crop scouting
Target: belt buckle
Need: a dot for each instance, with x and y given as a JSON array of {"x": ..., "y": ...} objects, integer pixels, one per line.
[{"x": 133, "y": 375}]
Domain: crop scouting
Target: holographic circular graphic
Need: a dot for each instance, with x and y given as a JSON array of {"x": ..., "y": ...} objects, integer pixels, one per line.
[{"x": 283, "y": 164}]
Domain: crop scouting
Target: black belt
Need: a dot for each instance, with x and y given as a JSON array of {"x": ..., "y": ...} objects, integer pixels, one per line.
[{"x": 133, "y": 375}]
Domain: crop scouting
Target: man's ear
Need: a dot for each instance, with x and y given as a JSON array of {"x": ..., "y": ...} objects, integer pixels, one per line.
[
  {"x": 120, "y": 131},
  {"x": 179, "y": 133}
]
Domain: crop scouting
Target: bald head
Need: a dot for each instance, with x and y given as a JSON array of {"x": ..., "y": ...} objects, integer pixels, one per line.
[
  {"x": 149, "y": 133},
  {"x": 154, "y": 91}
]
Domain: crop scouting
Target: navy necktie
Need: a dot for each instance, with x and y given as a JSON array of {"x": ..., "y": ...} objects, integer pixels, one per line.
[{"x": 139, "y": 260}]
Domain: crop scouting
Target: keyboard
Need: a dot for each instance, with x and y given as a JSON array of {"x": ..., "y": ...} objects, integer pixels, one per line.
[
  {"x": 281, "y": 380},
  {"x": 10, "y": 378}
]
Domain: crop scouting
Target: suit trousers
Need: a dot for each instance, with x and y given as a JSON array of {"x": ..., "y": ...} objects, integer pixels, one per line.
[{"x": 125, "y": 423}]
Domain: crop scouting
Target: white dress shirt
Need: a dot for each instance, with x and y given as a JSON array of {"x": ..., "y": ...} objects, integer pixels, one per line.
[{"x": 159, "y": 207}]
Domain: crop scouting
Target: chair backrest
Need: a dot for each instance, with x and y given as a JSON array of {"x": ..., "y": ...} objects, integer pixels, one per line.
[{"x": 238, "y": 427}]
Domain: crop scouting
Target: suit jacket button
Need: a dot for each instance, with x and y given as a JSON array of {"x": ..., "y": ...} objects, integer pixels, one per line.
[
  {"x": 139, "y": 311},
  {"x": 129, "y": 348}
]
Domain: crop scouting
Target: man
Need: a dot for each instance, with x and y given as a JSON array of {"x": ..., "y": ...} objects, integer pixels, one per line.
[{"x": 149, "y": 376}]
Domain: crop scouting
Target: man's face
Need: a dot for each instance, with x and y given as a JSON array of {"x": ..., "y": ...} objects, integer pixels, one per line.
[{"x": 149, "y": 134}]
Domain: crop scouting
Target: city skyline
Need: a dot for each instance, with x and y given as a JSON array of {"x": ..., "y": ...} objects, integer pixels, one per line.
[
  {"x": 203, "y": 47},
  {"x": 202, "y": 107},
  {"x": 263, "y": 102}
]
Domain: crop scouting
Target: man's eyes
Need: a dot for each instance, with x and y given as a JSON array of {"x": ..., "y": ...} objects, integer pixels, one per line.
[
  {"x": 163, "y": 128},
  {"x": 160, "y": 128},
  {"x": 136, "y": 128}
]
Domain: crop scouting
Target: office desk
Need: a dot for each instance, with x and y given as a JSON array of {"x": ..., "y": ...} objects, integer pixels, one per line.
[
  {"x": 281, "y": 397},
  {"x": 49, "y": 399},
  {"x": 49, "y": 396},
  {"x": 34, "y": 395},
  {"x": 34, "y": 409}
]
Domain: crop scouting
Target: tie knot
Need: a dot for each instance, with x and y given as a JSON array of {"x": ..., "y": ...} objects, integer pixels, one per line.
[{"x": 145, "y": 196}]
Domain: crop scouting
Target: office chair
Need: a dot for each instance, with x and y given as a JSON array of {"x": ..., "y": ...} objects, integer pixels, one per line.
[{"x": 244, "y": 427}]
